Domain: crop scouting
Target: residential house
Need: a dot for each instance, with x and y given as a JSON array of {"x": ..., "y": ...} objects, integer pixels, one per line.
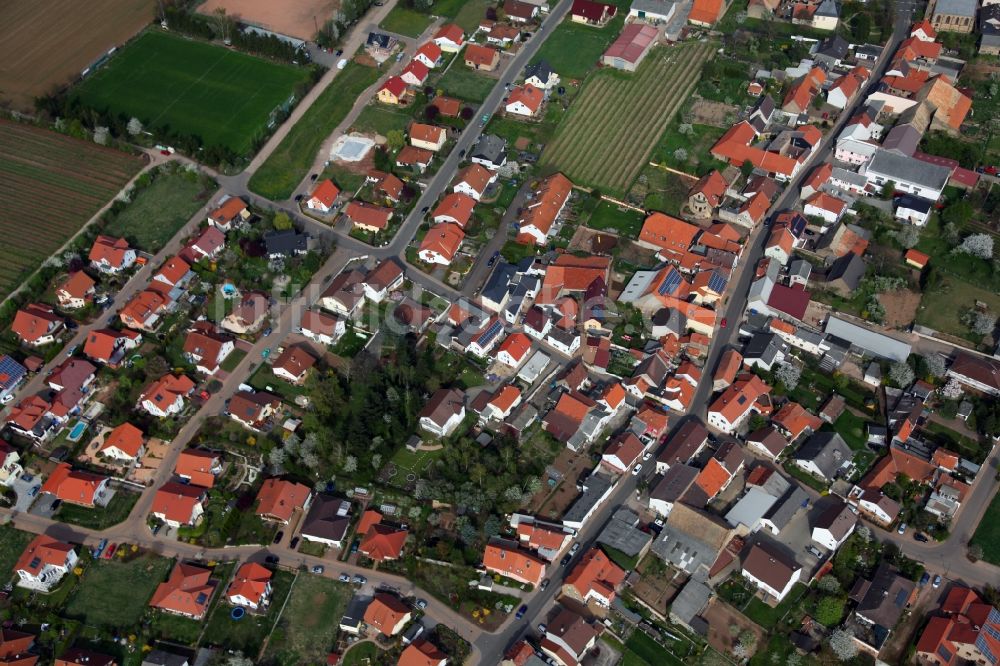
[
  {"x": 845, "y": 87},
  {"x": 473, "y": 181},
  {"x": 490, "y": 151},
  {"x": 482, "y": 58},
  {"x": 441, "y": 244},
  {"x": 507, "y": 559},
  {"x": 323, "y": 197},
  {"x": 111, "y": 255},
  {"x": 771, "y": 570},
  {"x": 707, "y": 195},
  {"x": 422, "y": 653},
  {"x": 682, "y": 446},
  {"x": 248, "y": 315},
  {"x": 187, "y": 592},
  {"x": 834, "y": 525},
  {"x": 142, "y": 312},
  {"x": 387, "y": 614},
  {"x": 444, "y": 412},
  {"x": 594, "y": 578},
  {"x": 964, "y": 632},
  {"x": 525, "y": 101},
  {"x": 623, "y": 452},
  {"x": 293, "y": 364},
  {"x": 206, "y": 246},
  {"x": 845, "y": 274},
  {"x": 767, "y": 442},
  {"x": 592, "y": 13},
  {"x": 78, "y": 487},
  {"x": 793, "y": 420},
  {"x": 923, "y": 179},
  {"x": 10, "y": 463},
  {"x": 736, "y": 403},
  {"x": 285, "y": 243},
  {"x": 415, "y": 73},
  {"x": 541, "y": 75},
  {"x": 36, "y": 325},
  {"x": 455, "y": 208},
  {"x": 231, "y": 213},
  {"x": 380, "y": 45},
  {"x": 250, "y": 587},
  {"x": 327, "y": 521},
  {"x": 672, "y": 487},
  {"x": 823, "y": 455},
  {"x": 537, "y": 221},
  {"x": 429, "y": 53},
  {"x": 706, "y": 13},
  {"x": 166, "y": 396},
  {"x": 368, "y": 217},
  {"x": 881, "y": 602},
  {"x": 976, "y": 373},
  {"x": 514, "y": 350},
  {"x": 346, "y": 293},
  {"x": 75, "y": 291},
  {"x": 912, "y": 209},
  {"x": 826, "y": 207},
  {"x": 379, "y": 541},
  {"x": 569, "y": 638},
  {"x": 12, "y": 374},
  {"x": 44, "y": 563},
  {"x": 253, "y": 410},
  {"x": 321, "y": 327},
  {"x": 125, "y": 443},
  {"x": 206, "y": 348},
  {"x": 428, "y": 137},
  {"x": 449, "y": 38},
  {"x": 178, "y": 504},
  {"x": 80, "y": 657},
  {"x": 393, "y": 91},
  {"x": 278, "y": 499}
]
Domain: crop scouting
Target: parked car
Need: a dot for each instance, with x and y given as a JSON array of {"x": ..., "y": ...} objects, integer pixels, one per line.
[
  {"x": 542, "y": 628},
  {"x": 294, "y": 542},
  {"x": 267, "y": 331},
  {"x": 637, "y": 469},
  {"x": 421, "y": 604},
  {"x": 344, "y": 578},
  {"x": 565, "y": 560},
  {"x": 360, "y": 580},
  {"x": 647, "y": 455},
  {"x": 109, "y": 552},
  {"x": 545, "y": 584},
  {"x": 813, "y": 550},
  {"x": 925, "y": 579},
  {"x": 574, "y": 549},
  {"x": 921, "y": 537},
  {"x": 521, "y": 611},
  {"x": 902, "y": 529},
  {"x": 937, "y": 581},
  {"x": 318, "y": 569},
  {"x": 278, "y": 537}
]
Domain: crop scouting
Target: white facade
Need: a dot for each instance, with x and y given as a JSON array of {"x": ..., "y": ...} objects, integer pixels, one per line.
[
  {"x": 825, "y": 538},
  {"x": 855, "y": 152},
  {"x": 325, "y": 338},
  {"x": 48, "y": 576},
  {"x": 520, "y": 108},
  {"x": 774, "y": 592},
  {"x": 915, "y": 217},
  {"x": 170, "y": 409},
  {"x": 828, "y": 216},
  {"x": 445, "y": 429}
]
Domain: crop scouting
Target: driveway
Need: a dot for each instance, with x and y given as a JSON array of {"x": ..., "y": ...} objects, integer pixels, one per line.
[
  {"x": 43, "y": 505},
  {"x": 22, "y": 487}
]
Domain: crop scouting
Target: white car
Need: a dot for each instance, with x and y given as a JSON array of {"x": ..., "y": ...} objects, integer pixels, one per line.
[
  {"x": 902, "y": 528},
  {"x": 342, "y": 64},
  {"x": 647, "y": 455},
  {"x": 638, "y": 468}
]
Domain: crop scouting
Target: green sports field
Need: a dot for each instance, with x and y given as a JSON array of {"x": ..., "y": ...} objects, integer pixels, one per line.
[{"x": 192, "y": 88}]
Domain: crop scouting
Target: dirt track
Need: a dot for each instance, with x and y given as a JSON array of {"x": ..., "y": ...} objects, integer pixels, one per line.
[
  {"x": 295, "y": 18},
  {"x": 47, "y": 43}
]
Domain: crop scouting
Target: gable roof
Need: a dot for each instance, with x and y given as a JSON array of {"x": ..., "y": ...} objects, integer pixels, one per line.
[
  {"x": 426, "y": 133},
  {"x": 444, "y": 239},
  {"x": 421, "y": 653},
  {"x": 770, "y": 565},
  {"x": 176, "y": 501},
  {"x": 126, "y": 438},
  {"x": 480, "y": 55},
  {"x": 41, "y": 552},
  {"x": 250, "y": 582},
  {"x": 187, "y": 591},
  {"x": 706, "y": 11},
  {"x": 528, "y": 95},
  {"x": 382, "y": 542},
  {"x": 395, "y": 86},
  {"x": 457, "y": 206},
  {"x": 595, "y": 571},
  {"x": 34, "y": 321},
  {"x": 108, "y": 249},
  {"x": 278, "y": 498},
  {"x": 385, "y": 612},
  {"x": 507, "y": 559},
  {"x": 326, "y": 192},
  {"x": 196, "y": 465},
  {"x": 73, "y": 486}
]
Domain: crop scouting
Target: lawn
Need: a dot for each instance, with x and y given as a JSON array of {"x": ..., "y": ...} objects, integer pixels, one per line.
[
  {"x": 381, "y": 120},
  {"x": 625, "y": 221},
  {"x": 573, "y": 49},
  {"x": 158, "y": 211},
  {"x": 363, "y": 654},
  {"x": 309, "y": 623},
  {"x": 263, "y": 379},
  {"x": 405, "y": 21},
  {"x": 249, "y": 633},
  {"x": 175, "y": 85},
  {"x": 942, "y": 308},
  {"x": 285, "y": 168},
  {"x": 768, "y": 617},
  {"x": 115, "y": 512},
  {"x": 232, "y": 360},
  {"x": 347, "y": 180},
  {"x": 987, "y": 535},
  {"x": 948, "y": 438},
  {"x": 462, "y": 82},
  {"x": 115, "y": 594},
  {"x": 12, "y": 544},
  {"x": 852, "y": 428},
  {"x": 642, "y": 649},
  {"x": 73, "y": 177},
  {"x": 697, "y": 144},
  {"x": 609, "y": 133}
]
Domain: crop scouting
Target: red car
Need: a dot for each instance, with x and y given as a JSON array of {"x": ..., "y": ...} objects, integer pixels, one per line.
[
  {"x": 109, "y": 551},
  {"x": 724, "y": 323}
]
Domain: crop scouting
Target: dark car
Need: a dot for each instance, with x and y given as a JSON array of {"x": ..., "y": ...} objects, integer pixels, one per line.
[
  {"x": 339, "y": 52},
  {"x": 425, "y": 209},
  {"x": 921, "y": 537},
  {"x": 278, "y": 537},
  {"x": 565, "y": 560},
  {"x": 521, "y": 611},
  {"x": 314, "y": 176},
  {"x": 272, "y": 559},
  {"x": 462, "y": 153},
  {"x": 72, "y": 325},
  {"x": 493, "y": 259},
  {"x": 545, "y": 584},
  {"x": 294, "y": 542},
  {"x": 298, "y": 197}
]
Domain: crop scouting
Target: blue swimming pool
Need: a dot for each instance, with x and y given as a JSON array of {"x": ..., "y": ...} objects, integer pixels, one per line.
[{"x": 77, "y": 432}]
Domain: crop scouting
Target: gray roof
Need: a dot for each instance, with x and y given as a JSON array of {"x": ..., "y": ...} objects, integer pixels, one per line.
[
  {"x": 870, "y": 50},
  {"x": 490, "y": 148},
  {"x": 838, "y": 519},
  {"x": 328, "y": 518},
  {"x": 653, "y": 6},
  {"x": 902, "y": 168},
  {"x": 542, "y": 69},
  {"x": 784, "y": 509},
  {"x": 622, "y": 535},
  {"x": 835, "y": 46},
  {"x": 674, "y": 483},
  {"x": 956, "y": 8},
  {"x": 595, "y": 488},
  {"x": 691, "y": 538},
  {"x": 751, "y": 508},
  {"x": 763, "y": 346},
  {"x": 692, "y": 598},
  {"x": 883, "y": 599},
  {"x": 826, "y": 450},
  {"x": 286, "y": 242},
  {"x": 903, "y": 139},
  {"x": 161, "y": 658},
  {"x": 800, "y": 268},
  {"x": 849, "y": 268},
  {"x": 498, "y": 284},
  {"x": 869, "y": 342},
  {"x": 852, "y": 177},
  {"x": 829, "y": 8}
]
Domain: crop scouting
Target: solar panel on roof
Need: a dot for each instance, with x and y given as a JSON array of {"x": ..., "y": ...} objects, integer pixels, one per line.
[
  {"x": 717, "y": 282},
  {"x": 491, "y": 332},
  {"x": 670, "y": 283}
]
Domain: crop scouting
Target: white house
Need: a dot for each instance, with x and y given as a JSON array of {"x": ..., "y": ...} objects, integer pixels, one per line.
[
  {"x": 923, "y": 179},
  {"x": 250, "y": 587},
  {"x": 514, "y": 350},
  {"x": 771, "y": 570},
  {"x": 914, "y": 210},
  {"x": 450, "y": 38},
  {"x": 525, "y": 100},
  {"x": 10, "y": 463},
  {"x": 111, "y": 255},
  {"x": 833, "y": 526},
  {"x": 736, "y": 403},
  {"x": 165, "y": 397},
  {"x": 825, "y": 206},
  {"x": 44, "y": 563},
  {"x": 540, "y": 75},
  {"x": 322, "y": 328},
  {"x": 444, "y": 412}
]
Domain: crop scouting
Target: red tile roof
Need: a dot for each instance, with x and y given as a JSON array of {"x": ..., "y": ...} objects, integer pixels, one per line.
[
  {"x": 34, "y": 321},
  {"x": 596, "y": 572},
  {"x": 528, "y": 95},
  {"x": 383, "y": 542},
  {"x": 188, "y": 591},
  {"x": 443, "y": 239},
  {"x": 126, "y": 438},
  {"x": 250, "y": 582},
  {"x": 196, "y": 465},
  {"x": 510, "y": 561},
  {"x": 394, "y": 85},
  {"x": 176, "y": 501},
  {"x": 109, "y": 249},
  {"x": 326, "y": 193},
  {"x": 73, "y": 486},
  {"x": 369, "y": 215},
  {"x": 43, "y": 551},
  {"x": 278, "y": 499},
  {"x": 385, "y": 612}
]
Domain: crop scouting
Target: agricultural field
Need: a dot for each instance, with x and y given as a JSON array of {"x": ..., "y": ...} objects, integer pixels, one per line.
[
  {"x": 609, "y": 132},
  {"x": 46, "y": 45},
  {"x": 223, "y": 97},
  {"x": 296, "y": 18},
  {"x": 285, "y": 168},
  {"x": 51, "y": 184}
]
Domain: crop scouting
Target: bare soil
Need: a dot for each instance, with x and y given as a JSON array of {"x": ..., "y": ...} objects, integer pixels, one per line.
[
  {"x": 295, "y": 18},
  {"x": 900, "y": 308},
  {"x": 720, "y": 616},
  {"x": 46, "y": 45},
  {"x": 707, "y": 112}
]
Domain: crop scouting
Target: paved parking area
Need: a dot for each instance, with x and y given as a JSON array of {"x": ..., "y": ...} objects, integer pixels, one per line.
[
  {"x": 43, "y": 506},
  {"x": 22, "y": 487}
]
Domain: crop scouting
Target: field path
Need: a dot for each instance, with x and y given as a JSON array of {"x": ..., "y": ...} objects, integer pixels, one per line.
[{"x": 356, "y": 38}]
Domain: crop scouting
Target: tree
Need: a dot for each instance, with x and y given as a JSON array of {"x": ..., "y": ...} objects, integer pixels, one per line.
[
  {"x": 901, "y": 374},
  {"x": 958, "y": 213},
  {"x": 223, "y": 24},
  {"x": 843, "y": 645},
  {"x": 978, "y": 245},
  {"x": 829, "y": 584},
  {"x": 789, "y": 375},
  {"x": 747, "y": 168},
  {"x": 134, "y": 126},
  {"x": 101, "y": 135},
  {"x": 282, "y": 221},
  {"x": 829, "y": 611},
  {"x": 979, "y": 322},
  {"x": 680, "y": 155},
  {"x": 395, "y": 139},
  {"x": 952, "y": 390},
  {"x": 888, "y": 190},
  {"x": 975, "y": 552},
  {"x": 951, "y": 234},
  {"x": 907, "y": 236},
  {"x": 936, "y": 366},
  {"x": 861, "y": 27}
]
